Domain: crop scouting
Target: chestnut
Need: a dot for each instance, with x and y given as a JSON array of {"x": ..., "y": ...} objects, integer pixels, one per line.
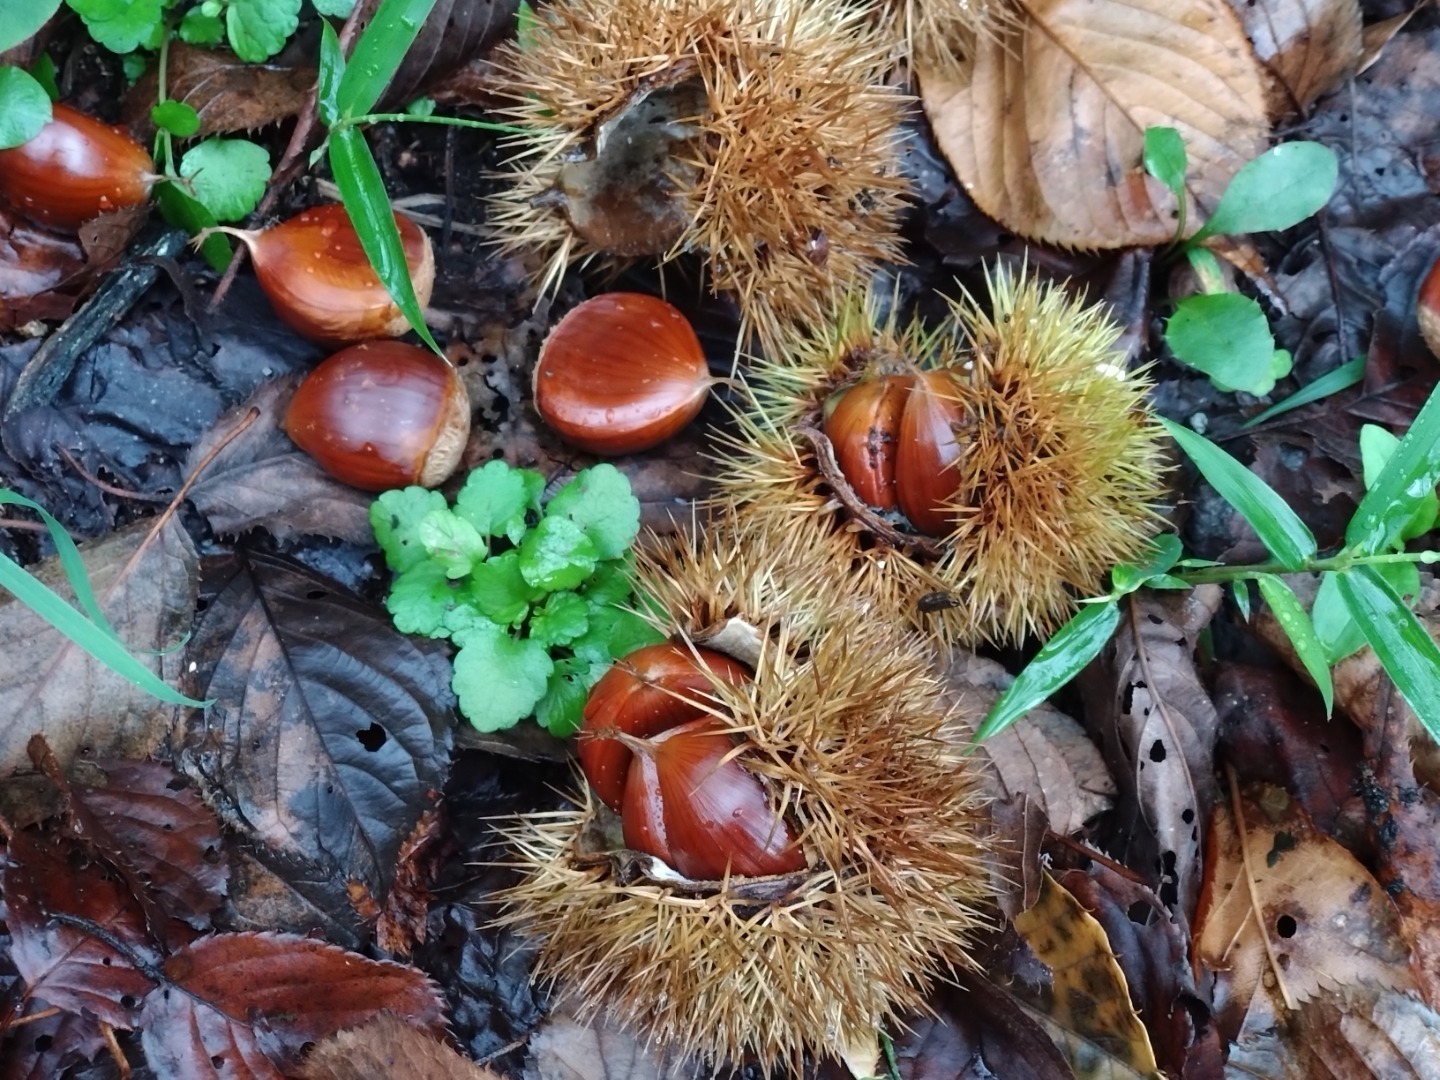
[
  {"x": 691, "y": 803},
  {"x": 76, "y": 169},
  {"x": 1427, "y": 308},
  {"x": 896, "y": 442},
  {"x": 320, "y": 281},
  {"x": 382, "y": 415},
  {"x": 620, "y": 373},
  {"x": 651, "y": 689}
]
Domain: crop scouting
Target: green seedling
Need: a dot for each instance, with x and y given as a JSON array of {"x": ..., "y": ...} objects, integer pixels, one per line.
[{"x": 536, "y": 597}]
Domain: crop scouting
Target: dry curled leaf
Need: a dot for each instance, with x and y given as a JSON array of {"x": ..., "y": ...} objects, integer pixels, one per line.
[
  {"x": 1044, "y": 123},
  {"x": 1048, "y": 759},
  {"x": 227, "y": 93},
  {"x": 1160, "y": 727},
  {"x": 1089, "y": 1000}
]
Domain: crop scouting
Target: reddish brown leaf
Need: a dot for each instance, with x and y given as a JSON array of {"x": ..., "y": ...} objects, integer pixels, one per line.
[
  {"x": 47, "y": 878},
  {"x": 159, "y": 834},
  {"x": 254, "y": 1001}
]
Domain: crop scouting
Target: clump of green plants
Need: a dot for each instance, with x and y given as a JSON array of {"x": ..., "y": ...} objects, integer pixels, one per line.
[{"x": 536, "y": 596}]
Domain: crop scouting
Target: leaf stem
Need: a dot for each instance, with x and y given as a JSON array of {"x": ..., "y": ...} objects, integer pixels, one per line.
[
  {"x": 1339, "y": 563},
  {"x": 451, "y": 121}
]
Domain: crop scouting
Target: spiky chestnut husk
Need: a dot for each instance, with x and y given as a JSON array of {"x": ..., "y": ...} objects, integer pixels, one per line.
[
  {"x": 846, "y": 722},
  {"x": 772, "y": 150},
  {"x": 1062, "y": 475},
  {"x": 940, "y": 35}
]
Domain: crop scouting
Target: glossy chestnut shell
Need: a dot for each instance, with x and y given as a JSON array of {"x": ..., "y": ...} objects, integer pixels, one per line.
[
  {"x": 620, "y": 373},
  {"x": 320, "y": 281},
  {"x": 896, "y": 442},
  {"x": 691, "y": 803},
  {"x": 382, "y": 415},
  {"x": 76, "y": 169},
  {"x": 650, "y": 690}
]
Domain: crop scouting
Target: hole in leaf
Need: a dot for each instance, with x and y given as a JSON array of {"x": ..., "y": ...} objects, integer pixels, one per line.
[
  {"x": 1286, "y": 926},
  {"x": 372, "y": 738}
]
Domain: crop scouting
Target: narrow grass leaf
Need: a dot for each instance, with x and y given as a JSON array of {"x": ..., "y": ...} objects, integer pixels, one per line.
[
  {"x": 1406, "y": 651},
  {"x": 103, "y": 646},
  {"x": 1300, "y": 630},
  {"x": 1074, "y": 645},
  {"x": 1342, "y": 378},
  {"x": 1280, "y": 528},
  {"x": 70, "y": 558},
  {"x": 332, "y": 71},
  {"x": 378, "y": 53},
  {"x": 1409, "y": 476},
  {"x": 1280, "y": 188},
  {"x": 363, "y": 192}
]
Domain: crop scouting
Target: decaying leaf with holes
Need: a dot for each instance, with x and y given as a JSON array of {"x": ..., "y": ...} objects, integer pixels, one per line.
[{"x": 1291, "y": 914}]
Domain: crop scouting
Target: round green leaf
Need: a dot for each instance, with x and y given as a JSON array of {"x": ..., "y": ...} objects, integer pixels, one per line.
[
  {"x": 177, "y": 118},
  {"x": 229, "y": 175},
  {"x": 19, "y": 21},
  {"x": 258, "y": 29},
  {"x": 499, "y": 679},
  {"x": 1226, "y": 336},
  {"x": 24, "y": 107}
]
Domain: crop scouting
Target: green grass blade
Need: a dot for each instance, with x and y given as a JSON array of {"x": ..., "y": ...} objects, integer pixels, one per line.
[
  {"x": 1280, "y": 528},
  {"x": 1301, "y": 632},
  {"x": 103, "y": 646},
  {"x": 70, "y": 560},
  {"x": 1074, "y": 645},
  {"x": 378, "y": 53},
  {"x": 1407, "y": 652},
  {"x": 332, "y": 72},
  {"x": 1411, "y": 474},
  {"x": 363, "y": 192},
  {"x": 1332, "y": 382}
]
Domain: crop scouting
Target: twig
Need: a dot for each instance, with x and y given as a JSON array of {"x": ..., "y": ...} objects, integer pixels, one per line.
[{"x": 109, "y": 489}]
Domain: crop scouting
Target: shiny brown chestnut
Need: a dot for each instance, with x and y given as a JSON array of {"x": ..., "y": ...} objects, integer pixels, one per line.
[
  {"x": 382, "y": 415},
  {"x": 864, "y": 428},
  {"x": 690, "y": 802},
  {"x": 1427, "y": 308},
  {"x": 652, "y": 689},
  {"x": 896, "y": 442},
  {"x": 76, "y": 169},
  {"x": 621, "y": 373},
  {"x": 320, "y": 281},
  {"x": 929, "y": 449}
]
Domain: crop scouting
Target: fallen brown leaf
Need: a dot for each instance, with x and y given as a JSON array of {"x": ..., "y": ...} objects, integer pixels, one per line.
[
  {"x": 1089, "y": 1001},
  {"x": 227, "y": 93},
  {"x": 1044, "y": 124},
  {"x": 52, "y": 687},
  {"x": 1159, "y": 727},
  {"x": 1310, "y": 46},
  {"x": 241, "y": 1004},
  {"x": 1328, "y": 922}
]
